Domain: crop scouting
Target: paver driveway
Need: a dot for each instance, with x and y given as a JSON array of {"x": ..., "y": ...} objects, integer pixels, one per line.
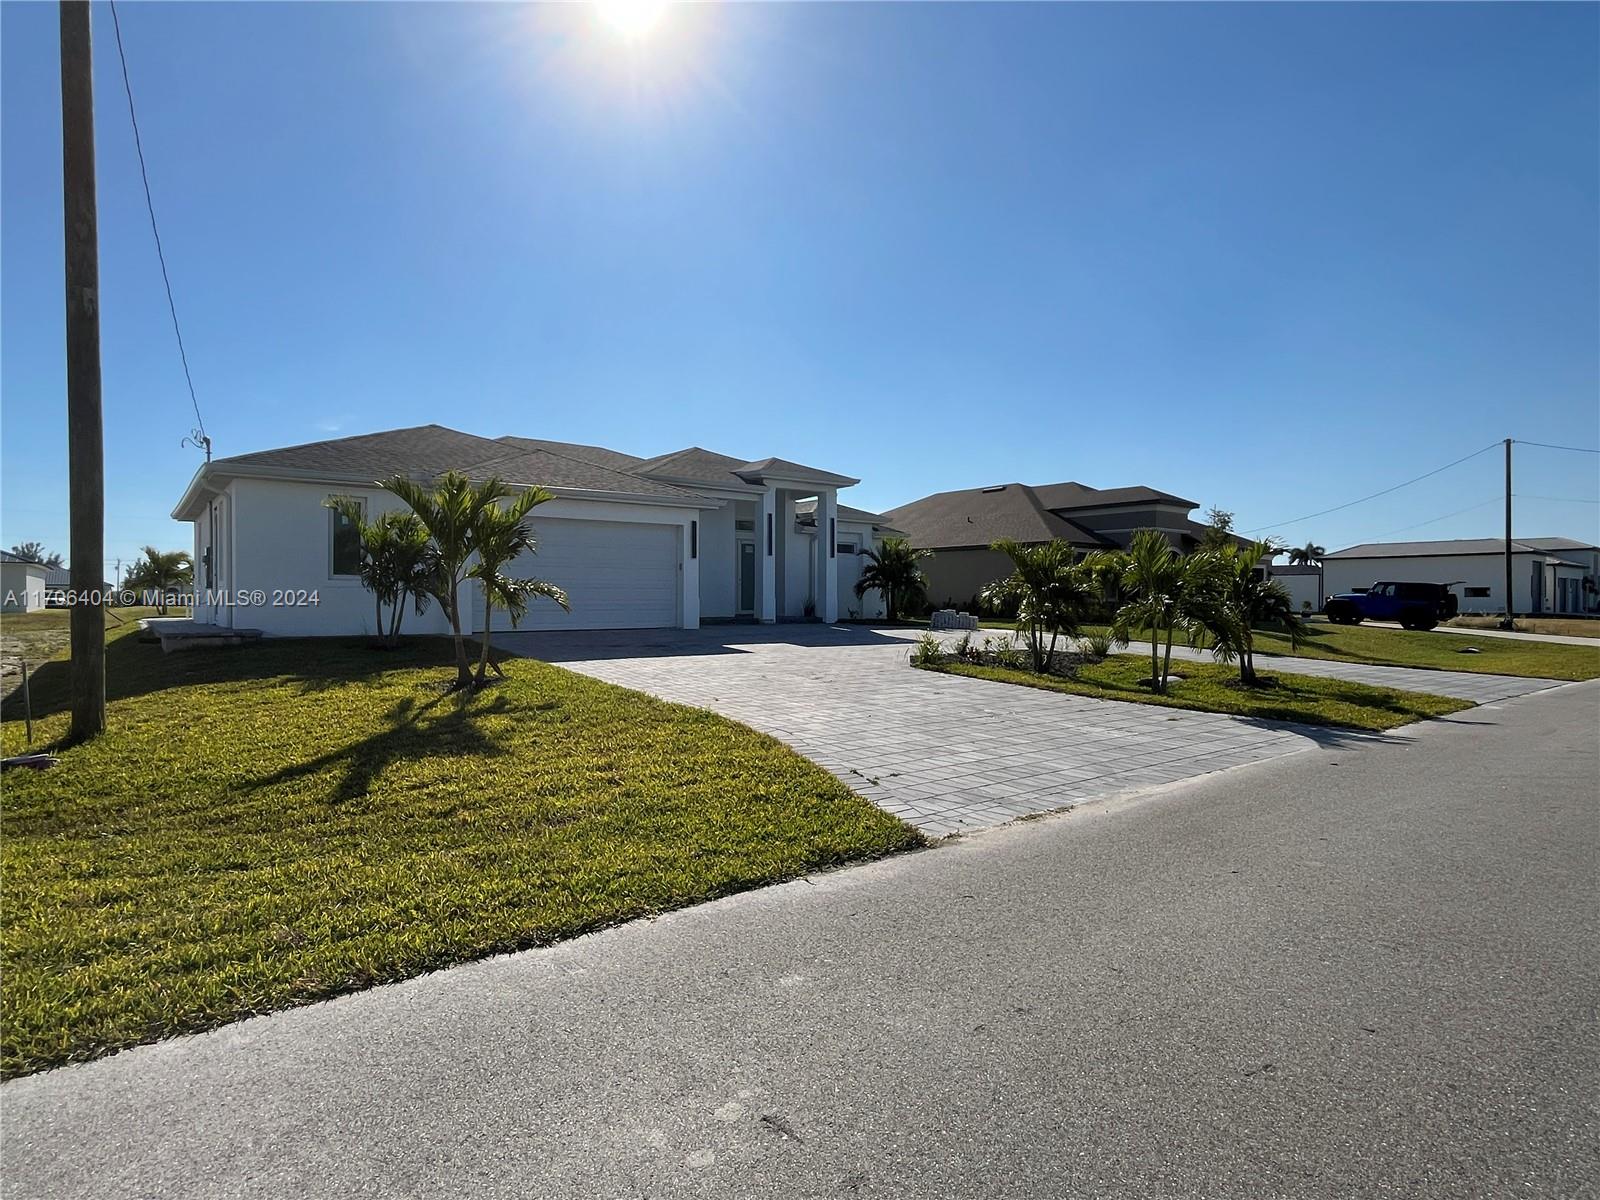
[{"x": 944, "y": 752}]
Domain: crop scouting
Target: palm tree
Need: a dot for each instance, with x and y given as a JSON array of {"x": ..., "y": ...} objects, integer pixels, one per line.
[
  {"x": 1308, "y": 555},
  {"x": 34, "y": 552},
  {"x": 892, "y": 571},
  {"x": 1249, "y": 600},
  {"x": 1050, "y": 592},
  {"x": 450, "y": 510},
  {"x": 501, "y": 534},
  {"x": 1167, "y": 593},
  {"x": 395, "y": 563},
  {"x": 161, "y": 572}
]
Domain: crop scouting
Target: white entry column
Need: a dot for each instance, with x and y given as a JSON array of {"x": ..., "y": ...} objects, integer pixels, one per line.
[
  {"x": 827, "y": 551},
  {"x": 767, "y": 534}
]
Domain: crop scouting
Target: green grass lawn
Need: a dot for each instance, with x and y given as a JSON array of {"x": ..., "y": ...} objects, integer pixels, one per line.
[
  {"x": 267, "y": 825},
  {"x": 1436, "y": 651},
  {"x": 1210, "y": 687}
]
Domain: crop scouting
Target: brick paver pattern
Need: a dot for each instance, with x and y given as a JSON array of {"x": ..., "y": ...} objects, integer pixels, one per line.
[{"x": 945, "y": 753}]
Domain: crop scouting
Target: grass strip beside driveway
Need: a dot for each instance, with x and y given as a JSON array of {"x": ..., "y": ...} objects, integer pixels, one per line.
[
  {"x": 1210, "y": 687},
  {"x": 267, "y": 825},
  {"x": 1412, "y": 648}
]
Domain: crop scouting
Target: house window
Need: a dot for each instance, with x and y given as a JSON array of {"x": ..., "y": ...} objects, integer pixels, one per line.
[
  {"x": 1477, "y": 593},
  {"x": 344, "y": 540},
  {"x": 844, "y": 547},
  {"x": 694, "y": 539},
  {"x": 747, "y": 525}
]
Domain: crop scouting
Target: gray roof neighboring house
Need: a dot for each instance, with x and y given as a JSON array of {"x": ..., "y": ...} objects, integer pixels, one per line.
[
  {"x": 7, "y": 556},
  {"x": 980, "y": 516},
  {"x": 1080, "y": 495},
  {"x": 1459, "y": 546}
]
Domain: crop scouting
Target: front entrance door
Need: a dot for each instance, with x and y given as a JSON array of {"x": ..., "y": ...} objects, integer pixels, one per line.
[{"x": 747, "y": 578}]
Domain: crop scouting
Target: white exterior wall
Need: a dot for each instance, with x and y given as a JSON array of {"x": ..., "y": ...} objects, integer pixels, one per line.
[
  {"x": 869, "y": 607},
  {"x": 281, "y": 541},
  {"x": 21, "y": 587},
  {"x": 1474, "y": 570},
  {"x": 719, "y": 564},
  {"x": 1303, "y": 588}
]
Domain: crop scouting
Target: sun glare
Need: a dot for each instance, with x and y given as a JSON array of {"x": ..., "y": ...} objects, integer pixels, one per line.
[{"x": 631, "y": 19}]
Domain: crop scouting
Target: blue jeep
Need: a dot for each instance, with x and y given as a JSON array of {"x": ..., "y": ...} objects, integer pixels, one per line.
[{"x": 1414, "y": 605}]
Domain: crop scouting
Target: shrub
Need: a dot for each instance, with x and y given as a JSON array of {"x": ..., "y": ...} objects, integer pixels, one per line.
[
  {"x": 1095, "y": 645},
  {"x": 928, "y": 651}
]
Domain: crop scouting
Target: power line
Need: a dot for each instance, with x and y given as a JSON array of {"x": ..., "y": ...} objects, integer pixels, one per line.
[
  {"x": 1375, "y": 495},
  {"x": 1549, "y": 446},
  {"x": 1446, "y": 517},
  {"x": 150, "y": 206},
  {"x": 1558, "y": 499}
]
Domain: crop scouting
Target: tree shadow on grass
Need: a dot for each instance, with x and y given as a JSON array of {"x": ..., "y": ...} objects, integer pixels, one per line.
[
  {"x": 446, "y": 726},
  {"x": 135, "y": 668}
]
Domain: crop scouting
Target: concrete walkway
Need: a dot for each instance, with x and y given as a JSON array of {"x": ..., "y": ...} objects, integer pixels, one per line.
[
  {"x": 947, "y": 754},
  {"x": 1560, "y": 639}
]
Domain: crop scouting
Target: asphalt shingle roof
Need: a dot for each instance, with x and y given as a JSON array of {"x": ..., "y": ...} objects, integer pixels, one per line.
[
  {"x": 426, "y": 449},
  {"x": 546, "y": 469},
  {"x": 433, "y": 449},
  {"x": 979, "y": 516},
  {"x": 1081, "y": 495},
  {"x": 695, "y": 463},
  {"x": 599, "y": 455},
  {"x": 7, "y": 556}
]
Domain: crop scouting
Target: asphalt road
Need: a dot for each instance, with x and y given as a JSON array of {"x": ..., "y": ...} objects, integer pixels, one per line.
[{"x": 1365, "y": 970}]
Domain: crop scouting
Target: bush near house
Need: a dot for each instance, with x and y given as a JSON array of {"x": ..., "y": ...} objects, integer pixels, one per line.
[{"x": 269, "y": 825}]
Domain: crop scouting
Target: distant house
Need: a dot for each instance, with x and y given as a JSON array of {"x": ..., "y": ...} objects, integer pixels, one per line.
[
  {"x": 1548, "y": 574},
  {"x": 22, "y": 583},
  {"x": 960, "y": 526}
]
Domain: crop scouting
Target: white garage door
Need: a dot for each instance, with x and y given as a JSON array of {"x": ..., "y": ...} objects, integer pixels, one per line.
[{"x": 617, "y": 575}]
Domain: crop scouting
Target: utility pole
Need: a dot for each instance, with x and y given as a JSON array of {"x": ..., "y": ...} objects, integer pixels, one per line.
[
  {"x": 85, "y": 437},
  {"x": 1510, "y": 621}
]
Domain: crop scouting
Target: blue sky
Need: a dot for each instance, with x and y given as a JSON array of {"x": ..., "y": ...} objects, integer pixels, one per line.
[{"x": 1271, "y": 258}]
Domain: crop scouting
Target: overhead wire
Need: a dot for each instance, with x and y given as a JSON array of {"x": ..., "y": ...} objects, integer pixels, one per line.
[
  {"x": 1352, "y": 503},
  {"x": 150, "y": 207}
]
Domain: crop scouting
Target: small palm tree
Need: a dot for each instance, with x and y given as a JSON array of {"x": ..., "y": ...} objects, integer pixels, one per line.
[
  {"x": 1308, "y": 555},
  {"x": 1167, "y": 593},
  {"x": 502, "y": 533},
  {"x": 1050, "y": 592},
  {"x": 396, "y": 564},
  {"x": 161, "y": 572},
  {"x": 892, "y": 571},
  {"x": 450, "y": 510},
  {"x": 1250, "y": 599}
]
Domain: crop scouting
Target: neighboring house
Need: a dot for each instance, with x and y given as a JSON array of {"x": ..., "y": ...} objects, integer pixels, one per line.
[
  {"x": 22, "y": 583},
  {"x": 960, "y": 527},
  {"x": 638, "y": 543},
  {"x": 1548, "y": 575},
  {"x": 1303, "y": 583},
  {"x": 58, "y": 582}
]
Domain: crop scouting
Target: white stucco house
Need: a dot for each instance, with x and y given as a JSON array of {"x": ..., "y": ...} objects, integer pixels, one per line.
[
  {"x": 664, "y": 542},
  {"x": 1548, "y": 574},
  {"x": 22, "y": 584}
]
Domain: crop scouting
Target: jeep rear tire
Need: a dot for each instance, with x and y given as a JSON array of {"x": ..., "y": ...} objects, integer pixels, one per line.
[{"x": 1418, "y": 619}]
